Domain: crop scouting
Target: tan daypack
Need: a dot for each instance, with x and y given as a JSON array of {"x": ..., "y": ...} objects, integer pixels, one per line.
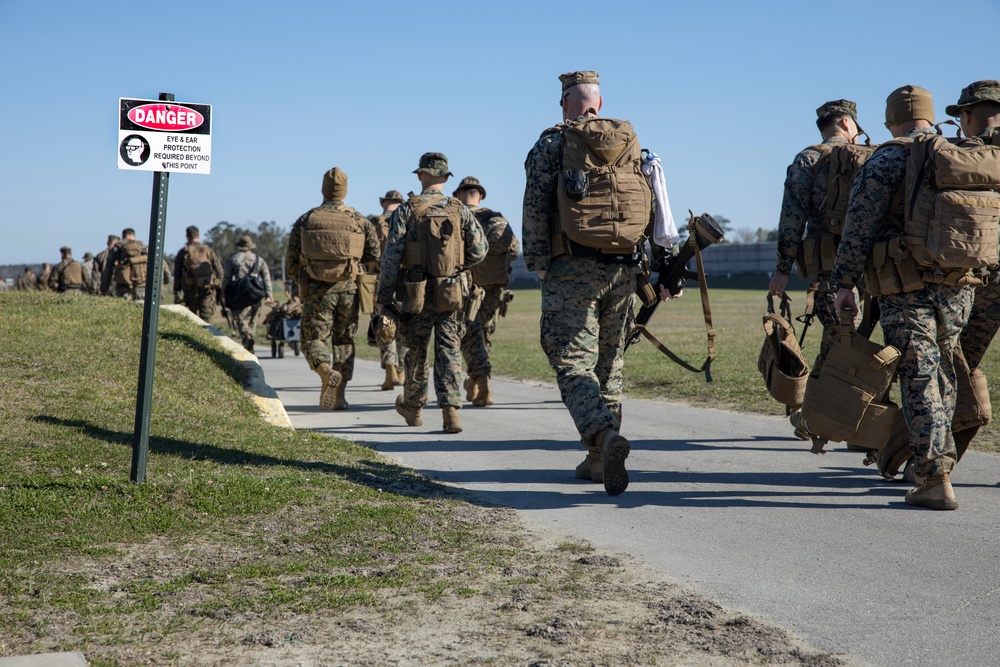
[
  {"x": 848, "y": 402},
  {"x": 130, "y": 269},
  {"x": 972, "y": 410},
  {"x": 197, "y": 266},
  {"x": 494, "y": 270},
  {"x": 434, "y": 257},
  {"x": 333, "y": 242},
  {"x": 845, "y": 161},
  {"x": 604, "y": 198},
  {"x": 952, "y": 205},
  {"x": 781, "y": 361}
]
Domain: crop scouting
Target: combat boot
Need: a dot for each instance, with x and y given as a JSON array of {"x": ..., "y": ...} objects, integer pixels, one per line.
[
  {"x": 592, "y": 467},
  {"x": 614, "y": 450},
  {"x": 390, "y": 378},
  {"x": 331, "y": 379},
  {"x": 935, "y": 493},
  {"x": 413, "y": 416},
  {"x": 452, "y": 422},
  {"x": 483, "y": 395},
  {"x": 471, "y": 390},
  {"x": 802, "y": 432},
  {"x": 339, "y": 402}
]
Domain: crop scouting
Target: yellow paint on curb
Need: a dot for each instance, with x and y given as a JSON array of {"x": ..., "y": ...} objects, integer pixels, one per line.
[{"x": 262, "y": 395}]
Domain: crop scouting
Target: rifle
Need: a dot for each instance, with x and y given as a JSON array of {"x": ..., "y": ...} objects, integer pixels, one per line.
[
  {"x": 703, "y": 231},
  {"x": 809, "y": 315}
]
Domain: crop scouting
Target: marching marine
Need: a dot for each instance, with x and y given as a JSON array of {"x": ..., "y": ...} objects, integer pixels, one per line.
[
  {"x": 327, "y": 250},
  {"x": 432, "y": 240},
  {"x": 390, "y": 353},
  {"x": 243, "y": 298},
  {"x": 491, "y": 275},
  {"x": 198, "y": 275},
  {"x": 68, "y": 275}
]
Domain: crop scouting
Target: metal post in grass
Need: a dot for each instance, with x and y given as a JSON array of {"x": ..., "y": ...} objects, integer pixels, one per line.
[{"x": 159, "y": 136}]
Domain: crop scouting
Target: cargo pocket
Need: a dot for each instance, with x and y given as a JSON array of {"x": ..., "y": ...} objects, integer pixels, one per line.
[{"x": 413, "y": 296}]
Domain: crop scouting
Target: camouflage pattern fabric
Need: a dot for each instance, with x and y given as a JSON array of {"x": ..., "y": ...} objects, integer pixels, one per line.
[
  {"x": 240, "y": 264},
  {"x": 330, "y": 315},
  {"x": 823, "y": 300},
  {"x": 100, "y": 261},
  {"x": 415, "y": 330},
  {"x": 329, "y": 310},
  {"x": 392, "y": 354},
  {"x": 540, "y": 210},
  {"x": 25, "y": 282},
  {"x": 923, "y": 324},
  {"x": 59, "y": 280},
  {"x": 199, "y": 300},
  {"x": 585, "y": 305},
  {"x": 802, "y": 203},
  {"x": 245, "y": 320},
  {"x": 476, "y": 343}
]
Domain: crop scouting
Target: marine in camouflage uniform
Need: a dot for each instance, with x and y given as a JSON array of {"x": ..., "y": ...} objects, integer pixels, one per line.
[
  {"x": 238, "y": 265},
  {"x": 199, "y": 299},
  {"x": 68, "y": 274},
  {"x": 924, "y": 324},
  {"x": 585, "y": 303},
  {"x": 101, "y": 261},
  {"x": 415, "y": 330},
  {"x": 25, "y": 281},
  {"x": 135, "y": 289},
  {"x": 390, "y": 354},
  {"x": 42, "y": 281},
  {"x": 88, "y": 272},
  {"x": 330, "y": 309},
  {"x": 492, "y": 276}
]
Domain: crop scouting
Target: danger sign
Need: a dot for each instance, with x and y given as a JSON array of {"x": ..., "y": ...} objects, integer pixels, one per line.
[{"x": 164, "y": 136}]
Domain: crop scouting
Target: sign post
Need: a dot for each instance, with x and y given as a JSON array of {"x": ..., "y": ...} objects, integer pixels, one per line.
[{"x": 161, "y": 137}]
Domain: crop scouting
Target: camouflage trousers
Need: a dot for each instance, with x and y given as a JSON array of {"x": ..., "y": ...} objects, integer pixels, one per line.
[
  {"x": 476, "y": 344},
  {"x": 133, "y": 293},
  {"x": 984, "y": 321},
  {"x": 585, "y": 305},
  {"x": 391, "y": 354},
  {"x": 201, "y": 302},
  {"x": 823, "y": 298},
  {"x": 333, "y": 317},
  {"x": 245, "y": 320},
  {"x": 415, "y": 332},
  {"x": 925, "y": 325}
]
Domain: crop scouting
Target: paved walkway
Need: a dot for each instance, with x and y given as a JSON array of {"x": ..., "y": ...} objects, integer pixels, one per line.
[{"x": 727, "y": 504}]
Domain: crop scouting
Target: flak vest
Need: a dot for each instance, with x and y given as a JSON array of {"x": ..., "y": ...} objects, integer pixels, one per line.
[
  {"x": 333, "y": 242},
  {"x": 494, "y": 270}
]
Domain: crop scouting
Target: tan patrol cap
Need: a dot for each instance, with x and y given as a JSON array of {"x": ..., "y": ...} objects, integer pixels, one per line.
[
  {"x": 980, "y": 91},
  {"x": 909, "y": 103},
  {"x": 470, "y": 183},
  {"x": 334, "y": 184}
]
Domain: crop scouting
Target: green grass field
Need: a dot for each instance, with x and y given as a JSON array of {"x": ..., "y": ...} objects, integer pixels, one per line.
[{"x": 736, "y": 385}]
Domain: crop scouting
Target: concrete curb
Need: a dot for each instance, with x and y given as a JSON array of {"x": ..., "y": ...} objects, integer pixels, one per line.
[
  {"x": 263, "y": 396},
  {"x": 74, "y": 659}
]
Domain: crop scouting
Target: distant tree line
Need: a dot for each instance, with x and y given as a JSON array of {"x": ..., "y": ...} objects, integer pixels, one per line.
[{"x": 270, "y": 241}]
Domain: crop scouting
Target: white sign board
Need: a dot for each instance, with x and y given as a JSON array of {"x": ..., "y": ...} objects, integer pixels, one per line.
[{"x": 154, "y": 135}]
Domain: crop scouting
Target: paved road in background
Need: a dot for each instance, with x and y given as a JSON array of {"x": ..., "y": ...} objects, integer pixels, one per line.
[{"x": 727, "y": 504}]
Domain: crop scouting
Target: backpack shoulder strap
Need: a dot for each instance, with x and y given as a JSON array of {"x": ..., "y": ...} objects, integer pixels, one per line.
[{"x": 419, "y": 208}]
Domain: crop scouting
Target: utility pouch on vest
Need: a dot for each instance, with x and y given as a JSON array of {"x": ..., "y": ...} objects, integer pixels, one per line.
[
  {"x": 366, "y": 291},
  {"x": 891, "y": 269},
  {"x": 972, "y": 406},
  {"x": 412, "y": 296},
  {"x": 781, "y": 361},
  {"x": 475, "y": 303},
  {"x": 847, "y": 401},
  {"x": 807, "y": 260},
  {"x": 817, "y": 255},
  {"x": 447, "y": 294}
]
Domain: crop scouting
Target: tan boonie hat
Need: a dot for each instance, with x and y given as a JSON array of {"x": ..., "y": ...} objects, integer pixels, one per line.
[
  {"x": 980, "y": 91},
  {"x": 334, "y": 184},
  {"x": 392, "y": 195},
  {"x": 245, "y": 242},
  {"x": 909, "y": 103},
  {"x": 435, "y": 164},
  {"x": 470, "y": 183}
]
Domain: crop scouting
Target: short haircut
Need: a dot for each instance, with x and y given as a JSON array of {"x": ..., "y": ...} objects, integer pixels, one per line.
[
  {"x": 127, "y": 231},
  {"x": 192, "y": 232},
  {"x": 826, "y": 122}
]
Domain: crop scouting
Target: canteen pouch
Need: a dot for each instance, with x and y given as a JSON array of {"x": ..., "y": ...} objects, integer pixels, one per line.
[
  {"x": 447, "y": 294},
  {"x": 413, "y": 296},
  {"x": 366, "y": 292},
  {"x": 475, "y": 302}
]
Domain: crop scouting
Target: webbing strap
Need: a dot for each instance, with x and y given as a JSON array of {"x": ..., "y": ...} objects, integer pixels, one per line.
[
  {"x": 706, "y": 307},
  {"x": 419, "y": 209}
]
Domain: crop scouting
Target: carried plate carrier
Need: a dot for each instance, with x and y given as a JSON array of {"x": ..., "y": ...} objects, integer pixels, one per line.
[
  {"x": 781, "y": 361},
  {"x": 130, "y": 269},
  {"x": 494, "y": 270},
  {"x": 333, "y": 242}
]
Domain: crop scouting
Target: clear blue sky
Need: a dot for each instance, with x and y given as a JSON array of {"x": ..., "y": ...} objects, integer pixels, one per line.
[{"x": 725, "y": 92}]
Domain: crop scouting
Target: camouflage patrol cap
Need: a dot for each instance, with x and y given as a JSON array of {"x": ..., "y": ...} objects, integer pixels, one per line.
[
  {"x": 838, "y": 107},
  {"x": 87, "y": 256},
  {"x": 470, "y": 183},
  {"x": 245, "y": 242},
  {"x": 435, "y": 164},
  {"x": 980, "y": 91},
  {"x": 909, "y": 103},
  {"x": 571, "y": 79},
  {"x": 391, "y": 195},
  {"x": 66, "y": 249},
  {"x": 334, "y": 184}
]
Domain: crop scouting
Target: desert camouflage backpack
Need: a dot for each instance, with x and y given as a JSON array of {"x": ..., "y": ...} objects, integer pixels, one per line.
[
  {"x": 197, "y": 266},
  {"x": 130, "y": 269}
]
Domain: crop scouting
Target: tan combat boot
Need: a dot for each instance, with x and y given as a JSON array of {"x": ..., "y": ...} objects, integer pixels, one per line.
[
  {"x": 592, "y": 467},
  {"x": 935, "y": 493},
  {"x": 400, "y": 376},
  {"x": 413, "y": 416},
  {"x": 471, "y": 390},
  {"x": 390, "y": 378},
  {"x": 614, "y": 450},
  {"x": 331, "y": 379},
  {"x": 452, "y": 422},
  {"x": 339, "y": 402},
  {"x": 483, "y": 394}
]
